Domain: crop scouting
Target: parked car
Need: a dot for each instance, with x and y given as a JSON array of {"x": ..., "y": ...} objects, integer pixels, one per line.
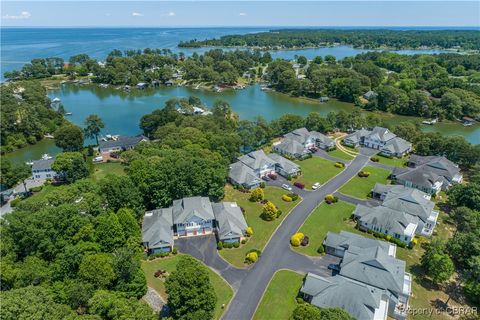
[
  {"x": 313, "y": 149},
  {"x": 334, "y": 267},
  {"x": 266, "y": 178},
  {"x": 316, "y": 185},
  {"x": 286, "y": 187}
]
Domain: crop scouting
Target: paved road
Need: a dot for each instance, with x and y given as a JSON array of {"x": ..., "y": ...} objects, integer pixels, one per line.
[
  {"x": 355, "y": 201},
  {"x": 30, "y": 183},
  {"x": 325, "y": 155},
  {"x": 277, "y": 253}
]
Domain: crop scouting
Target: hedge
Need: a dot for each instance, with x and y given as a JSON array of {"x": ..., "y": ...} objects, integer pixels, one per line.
[
  {"x": 339, "y": 164},
  {"x": 286, "y": 198},
  {"x": 15, "y": 202}
]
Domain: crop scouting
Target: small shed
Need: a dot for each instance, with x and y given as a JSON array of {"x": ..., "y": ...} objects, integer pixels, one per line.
[
  {"x": 324, "y": 99},
  {"x": 142, "y": 85}
]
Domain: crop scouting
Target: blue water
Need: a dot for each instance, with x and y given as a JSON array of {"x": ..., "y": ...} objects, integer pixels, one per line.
[{"x": 20, "y": 45}]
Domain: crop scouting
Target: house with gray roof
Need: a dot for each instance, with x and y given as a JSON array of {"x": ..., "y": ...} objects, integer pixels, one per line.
[
  {"x": 430, "y": 174},
  {"x": 297, "y": 143},
  {"x": 189, "y": 217},
  {"x": 337, "y": 243},
  {"x": 251, "y": 167},
  {"x": 370, "y": 94},
  {"x": 358, "y": 299},
  {"x": 370, "y": 284},
  {"x": 42, "y": 169},
  {"x": 381, "y": 139},
  {"x": 119, "y": 143},
  {"x": 380, "y": 270},
  {"x": 157, "y": 230},
  {"x": 230, "y": 222}
]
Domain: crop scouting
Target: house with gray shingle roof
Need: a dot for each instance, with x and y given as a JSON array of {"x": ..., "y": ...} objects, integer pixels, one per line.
[
  {"x": 119, "y": 143},
  {"x": 430, "y": 174},
  {"x": 192, "y": 216},
  {"x": 370, "y": 284},
  {"x": 251, "y": 167},
  {"x": 42, "y": 169},
  {"x": 358, "y": 299},
  {"x": 379, "y": 138},
  {"x": 337, "y": 243},
  {"x": 297, "y": 143},
  {"x": 370, "y": 94},
  {"x": 396, "y": 147},
  {"x": 356, "y": 138}
]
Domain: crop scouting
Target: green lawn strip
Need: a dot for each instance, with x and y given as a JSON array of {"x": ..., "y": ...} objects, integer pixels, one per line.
[
  {"x": 360, "y": 187},
  {"x": 316, "y": 169},
  {"x": 337, "y": 153},
  {"x": 223, "y": 291},
  {"x": 262, "y": 230},
  {"x": 102, "y": 169},
  {"x": 395, "y": 162},
  {"x": 326, "y": 217},
  {"x": 279, "y": 299}
]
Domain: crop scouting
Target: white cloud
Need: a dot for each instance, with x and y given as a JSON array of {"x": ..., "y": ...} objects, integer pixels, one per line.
[
  {"x": 171, "y": 14},
  {"x": 22, "y": 15},
  {"x": 242, "y": 14},
  {"x": 137, "y": 14},
  {"x": 168, "y": 14}
]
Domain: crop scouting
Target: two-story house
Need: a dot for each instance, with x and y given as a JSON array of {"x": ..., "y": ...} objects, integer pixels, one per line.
[
  {"x": 42, "y": 169},
  {"x": 379, "y": 138},
  {"x": 297, "y": 144}
]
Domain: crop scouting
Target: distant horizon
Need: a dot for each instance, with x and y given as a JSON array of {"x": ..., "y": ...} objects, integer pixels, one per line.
[{"x": 248, "y": 26}]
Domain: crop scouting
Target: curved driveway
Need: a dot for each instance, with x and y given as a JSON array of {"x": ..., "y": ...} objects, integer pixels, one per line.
[{"x": 250, "y": 283}]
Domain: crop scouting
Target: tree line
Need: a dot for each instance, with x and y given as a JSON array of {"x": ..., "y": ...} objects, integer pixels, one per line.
[{"x": 370, "y": 39}]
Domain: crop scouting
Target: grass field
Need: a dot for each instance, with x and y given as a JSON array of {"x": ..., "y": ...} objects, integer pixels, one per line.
[
  {"x": 102, "y": 169},
  {"x": 395, "y": 162},
  {"x": 223, "y": 291},
  {"x": 326, "y": 217},
  {"x": 262, "y": 230},
  {"x": 361, "y": 187},
  {"x": 316, "y": 169},
  {"x": 337, "y": 153},
  {"x": 279, "y": 299}
]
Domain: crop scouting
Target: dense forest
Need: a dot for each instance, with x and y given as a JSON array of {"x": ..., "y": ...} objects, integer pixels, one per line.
[
  {"x": 370, "y": 39},
  {"x": 26, "y": 114}
]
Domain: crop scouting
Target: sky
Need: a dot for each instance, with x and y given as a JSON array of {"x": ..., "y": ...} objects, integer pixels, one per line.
[{"x": 239, "y": 13}]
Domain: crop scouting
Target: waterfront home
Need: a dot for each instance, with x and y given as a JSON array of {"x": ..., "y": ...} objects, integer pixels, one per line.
[
  {"x": 467, "y": 121},
  {"x": 381, "y": 139},
  {"x": 370, "y": 282},
  {"x": 42, "y": 169},
  {"x": 142, "y": 85},
  {"x": 190, "y": 217},
  {"x": 429, "y": 174},
  {"x": 296, "y": 144},
  {"x": 403, "y": 213},
  {"x": 324, "y": 99},
  {"x": 119, "y": 143},
  {"x": 248, "y": 171}
]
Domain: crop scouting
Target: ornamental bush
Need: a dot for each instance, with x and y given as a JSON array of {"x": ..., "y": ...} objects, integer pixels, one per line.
[
  {"x": 321, "y": 249},
  {"x": 296, "y": 239},
  {"x": 269, "y": 212},
  {"x": 256, "y": 195},
  {"x": 294, "y": 196},
  {"x": 263, "y": 185},
  {"x": 174, "y": 251},
  {"x": 339, "y": 164},
  {"x": 363, "y": 174},
  {"x": 375, "y": 159},
  {"x": 249, "y": 231},
  {"x": 329, "y": 198},
  {"x": 236, "y": 244},
  {"x": 286, "y": 198},
  {"x": 219, "y": 245},
  {"x": 252, "y": 257}
]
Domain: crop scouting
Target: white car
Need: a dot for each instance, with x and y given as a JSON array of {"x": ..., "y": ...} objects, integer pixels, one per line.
[
  {"x": 286, "y": 187},
  {"x": 316, "y": 185}
]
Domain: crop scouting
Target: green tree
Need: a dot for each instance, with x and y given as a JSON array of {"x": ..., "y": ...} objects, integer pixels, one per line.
[
  {"x": 97, "y": 269},
  {"x": 121, "y": 192},
  {"x": 302, "y": 60},
  {"x": 269, "y": 211},
  {"x": 440, "y": 268},
  {"x": 93, "y": 126},
  {"x": 126, "y": 218},
  {"x": 69, "y": 137},
  {"x": 190, "y": 293},
  {"x": 108, "y": 231},
  {"x": 257, "y": 194},
  {"x": 11, "y": 174},
  {"x": 70, "y": 166},
  {"x": 111, "y": 305}
]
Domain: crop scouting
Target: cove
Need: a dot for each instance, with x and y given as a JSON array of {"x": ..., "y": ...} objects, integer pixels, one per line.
[{"x": 121, "y": 111}]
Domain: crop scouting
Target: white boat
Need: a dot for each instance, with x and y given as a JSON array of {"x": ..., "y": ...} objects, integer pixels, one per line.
[
  {"x": 46, "y": 156},
  {"x": 29, "y": 163},
  {"x": 68, "y": 113}
]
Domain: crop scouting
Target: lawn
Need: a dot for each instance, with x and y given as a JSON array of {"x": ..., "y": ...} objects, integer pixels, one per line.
[
  {"x": 337, "y": 153},
  {"x": 326, "y": 217},
  {"x": 223, "y": 291},
  {"x": 395, "y": 162},
  {"x": 262, "y": 230},
  {"x": 361, "y": 187},
  {"x": 316, "y": 169},
  {"x": 279, "y": 299},
  {"x": 102, "y": 169}
]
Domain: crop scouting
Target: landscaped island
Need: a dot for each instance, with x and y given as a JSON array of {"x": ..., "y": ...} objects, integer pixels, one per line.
[{"x": 372, "y": 39}]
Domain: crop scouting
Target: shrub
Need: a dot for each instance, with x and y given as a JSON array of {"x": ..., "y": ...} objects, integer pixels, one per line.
[
  {"x": 286, "y": 198},
  {"x": 375, "y": 159},
  {"x": 299, "y": 185},
  {"x": 236, "y": 244},
  {"x": 294, "y": 196},
  {"x": 219, "y": 245},
  {"x": 330, "y": 198},
  {"x": 36, "y": 189},
  {"x": 244, "y": 241},
  {"x": 251, "y": 257},
  {"x": 159, "y": 255},
  {"x": 363, "y": 174},
  {"x": 339, "y": 164},
  {"x": 15, "y": 202},
  {"x": 279, "y": 213},
  {"x": 321, "y": 250},
  {"x": 174, "y": 251},
  {"x": 228, "y": 245},
  {"x": 249, "y": 231},
  {"x": 269, "y": 211},
  {"x": 296, "y": 239},
  {"x": 257, "y": 194},
  {"x": 305, "y": 241},
  {"x": 262, "y": 185}
]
